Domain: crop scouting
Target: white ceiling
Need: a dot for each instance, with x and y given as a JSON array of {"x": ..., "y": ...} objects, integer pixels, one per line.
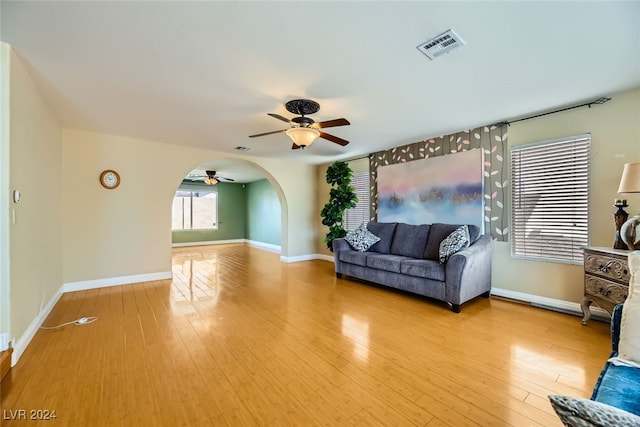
[{"x": 204, "y": 74}]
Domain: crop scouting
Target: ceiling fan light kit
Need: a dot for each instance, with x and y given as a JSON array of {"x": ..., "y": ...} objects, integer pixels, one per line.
[
  {"x": 302, "y": 137},
  {"x": 303, "y": 130}
]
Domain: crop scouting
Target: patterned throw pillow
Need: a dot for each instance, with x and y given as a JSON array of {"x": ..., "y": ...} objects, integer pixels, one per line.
[
  {"x": 454, "y": 242},
  {"x": 361, "y": 239},
  {"x": 575, "y": 412}
]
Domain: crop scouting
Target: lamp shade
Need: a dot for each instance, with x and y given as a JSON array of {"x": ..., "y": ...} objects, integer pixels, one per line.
[
  {"x": 302, "y": 137},
  {"x": 210, "y": 181},
  {"x": 630, "y": 181}
]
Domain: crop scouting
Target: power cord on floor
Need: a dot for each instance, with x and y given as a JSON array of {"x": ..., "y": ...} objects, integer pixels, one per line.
[{"x": 80, "y": 321}]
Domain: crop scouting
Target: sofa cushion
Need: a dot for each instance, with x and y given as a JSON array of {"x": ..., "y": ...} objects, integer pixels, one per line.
[
  {"x": 584, "y": 412},
  {"x": 385, "y": 231},
  {"x": 439, "y": 232},
  {"x": 410, "y": 240},
  {"x": 361, "y": 239},
  {"x": 354, "y": 257},
  {"x": 423, "y": 268},
  {"x": 385, "y": 262},
  {"x": 619, "y": 386},
  {"x": 454, "y": 242}
]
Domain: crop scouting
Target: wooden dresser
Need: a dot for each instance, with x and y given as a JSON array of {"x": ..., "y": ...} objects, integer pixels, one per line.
[{"x": 606, "y": 279}]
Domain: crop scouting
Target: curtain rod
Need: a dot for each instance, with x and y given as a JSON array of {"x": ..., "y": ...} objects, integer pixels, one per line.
[
  {"x": 356, "y": 158},
  {"x": 586, "y": 104}
]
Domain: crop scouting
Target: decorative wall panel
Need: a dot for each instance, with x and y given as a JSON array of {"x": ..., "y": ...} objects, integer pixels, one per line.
[{"x": 493, "y": 142}]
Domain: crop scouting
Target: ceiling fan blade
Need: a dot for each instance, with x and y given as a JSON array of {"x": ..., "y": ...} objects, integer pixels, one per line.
[
  {"x": 331, "y": 123},
  {"x": 222, "y": 178},
  {"x": 294, "y": 146},
  {"x": 334, "y": 138},
  {"x": 266, "y": 133},
  {"x": 279, "y": 117}
]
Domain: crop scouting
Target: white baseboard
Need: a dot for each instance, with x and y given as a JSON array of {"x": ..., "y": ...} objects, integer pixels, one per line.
[
  {"x": 325, "y": 257},
  {"x": 207, "y": 243},
  {"x": 266, "y": 246},
  {"x": 298, "y": 258},
  {"x": 309, "y": 257},
  {"x": 21, "y": 343},
  {"x": 116, "y": 281},
  {"x": 551, "y": 303}
]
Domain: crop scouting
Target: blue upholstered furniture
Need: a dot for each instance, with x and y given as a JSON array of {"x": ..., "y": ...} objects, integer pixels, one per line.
[
  {"x": 407, "y": 258},
  {"x": 618, "y": 386},
  {"x": 615, "y": 400}
]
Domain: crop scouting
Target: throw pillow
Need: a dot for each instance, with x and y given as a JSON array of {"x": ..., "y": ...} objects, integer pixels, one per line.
[
  {"x": 454, "y": 242},
  {"x": 574, "y": 412},
  {"x": 629, "y": 343},
  {"x": 361, "y": 238}
]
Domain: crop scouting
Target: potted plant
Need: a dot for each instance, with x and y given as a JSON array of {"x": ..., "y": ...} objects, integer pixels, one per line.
[{"x": 341, "y": 197}]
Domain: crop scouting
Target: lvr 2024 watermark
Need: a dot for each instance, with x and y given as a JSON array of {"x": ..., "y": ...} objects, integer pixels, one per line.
[{"x": 29, "y": 414}]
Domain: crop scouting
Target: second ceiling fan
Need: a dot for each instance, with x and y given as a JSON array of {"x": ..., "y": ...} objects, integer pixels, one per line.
[
  {"x": 303, "y": 130},
  {"x": 210, "y": 178}
]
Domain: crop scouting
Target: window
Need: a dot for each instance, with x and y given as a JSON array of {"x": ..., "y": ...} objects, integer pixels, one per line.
[
  {"x": 356, "y": 216},
  {"x": 550, "y": 200},
  {"x": 194, "y": 210}
]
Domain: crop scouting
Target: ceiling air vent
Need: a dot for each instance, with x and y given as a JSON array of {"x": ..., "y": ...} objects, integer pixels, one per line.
[{"x": 441, "y": 44}]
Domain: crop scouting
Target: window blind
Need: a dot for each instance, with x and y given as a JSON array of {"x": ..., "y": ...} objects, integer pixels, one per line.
[
  {"x": 356, "y": 216},
  {"x": 550, "y": 199}
]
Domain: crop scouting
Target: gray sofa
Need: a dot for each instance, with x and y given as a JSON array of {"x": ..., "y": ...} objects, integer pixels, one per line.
[{"x": 407, "y": 258}]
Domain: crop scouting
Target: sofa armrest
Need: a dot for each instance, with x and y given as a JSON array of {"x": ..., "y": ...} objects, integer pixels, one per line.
[
  {"x": 339, "y": 245},
  {"x": 616, "y": 318},
  {"x": 468, "y": 272}
]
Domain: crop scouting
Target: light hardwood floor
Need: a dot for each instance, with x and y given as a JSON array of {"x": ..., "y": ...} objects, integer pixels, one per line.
[{"x": 239, "y": 338}]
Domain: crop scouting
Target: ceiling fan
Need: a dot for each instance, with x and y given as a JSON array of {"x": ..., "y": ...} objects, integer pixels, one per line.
[
  {"x": 210, "y": 178},
  {"x": 304, "y": 130}
]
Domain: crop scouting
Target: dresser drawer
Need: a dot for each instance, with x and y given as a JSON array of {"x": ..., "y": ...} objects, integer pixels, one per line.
[
  {"x": 605, "y": 289},
  {"x": 607, "y": 266}
]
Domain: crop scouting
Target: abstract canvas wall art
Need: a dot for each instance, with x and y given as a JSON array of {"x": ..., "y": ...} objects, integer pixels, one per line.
[{"x": 446, "y": 189}]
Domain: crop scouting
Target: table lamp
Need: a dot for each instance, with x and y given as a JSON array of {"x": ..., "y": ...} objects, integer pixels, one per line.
[{"x": 630, "y": 183}]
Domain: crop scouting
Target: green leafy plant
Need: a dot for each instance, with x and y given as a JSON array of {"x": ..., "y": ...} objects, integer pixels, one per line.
[{"x": 341, "y": 197}]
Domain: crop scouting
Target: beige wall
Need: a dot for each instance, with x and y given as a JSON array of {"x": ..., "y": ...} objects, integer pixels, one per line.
[
  {"x": 36, "y": 236},
  {"x": 5, "y": 164},
  {"x": 127, "y": 231},
  {"x": 615, "y": 140},
  {"x": 615, "y": 133},
  {"x": 322, "y": 197}
]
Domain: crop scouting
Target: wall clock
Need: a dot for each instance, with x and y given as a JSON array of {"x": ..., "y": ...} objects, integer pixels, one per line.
[{"x": 109, "y": 179}]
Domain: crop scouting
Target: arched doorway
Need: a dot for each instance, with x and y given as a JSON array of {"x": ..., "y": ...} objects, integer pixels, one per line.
[{"x": 250, "y": 204}]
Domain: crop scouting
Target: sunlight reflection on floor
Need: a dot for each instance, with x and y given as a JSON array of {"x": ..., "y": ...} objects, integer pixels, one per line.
[
  {"x": 358, "y": 331},
  {"x": 547, "y": 365}
]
